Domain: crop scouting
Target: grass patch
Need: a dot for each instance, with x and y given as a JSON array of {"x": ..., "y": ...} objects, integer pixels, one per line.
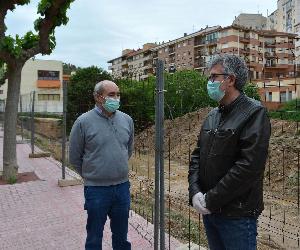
[{"x": 12, "y": 180}]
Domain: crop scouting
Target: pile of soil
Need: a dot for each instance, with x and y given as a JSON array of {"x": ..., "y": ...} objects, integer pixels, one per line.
[{"x": 180, "y": 138}]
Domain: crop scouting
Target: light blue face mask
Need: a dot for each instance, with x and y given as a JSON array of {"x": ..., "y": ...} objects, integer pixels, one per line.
[
  {"x": 111, "y": 104},
  {"x": 213, "y": 90}
]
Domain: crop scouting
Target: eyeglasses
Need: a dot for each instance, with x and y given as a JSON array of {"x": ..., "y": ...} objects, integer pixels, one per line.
[{"x": 213, "y": 77}]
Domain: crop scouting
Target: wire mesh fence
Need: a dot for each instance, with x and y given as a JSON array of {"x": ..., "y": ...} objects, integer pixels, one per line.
[{"x": 184, "y": 113}]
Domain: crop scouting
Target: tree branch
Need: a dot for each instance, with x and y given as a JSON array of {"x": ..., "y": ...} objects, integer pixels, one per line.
[
  {"x": 48, "y": 24},
  {"x": 26, "y": 54},
  {"x": 4, "y": 7},
  {"x": 7, "y": 57},
  {"x": 46, "y": 28}
]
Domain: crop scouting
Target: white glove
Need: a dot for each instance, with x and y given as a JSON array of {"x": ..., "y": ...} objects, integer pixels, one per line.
[{"x": 199, "y": 203}]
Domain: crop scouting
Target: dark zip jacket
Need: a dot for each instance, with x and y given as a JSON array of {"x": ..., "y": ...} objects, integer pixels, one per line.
[{"x": 229, "y": 160}]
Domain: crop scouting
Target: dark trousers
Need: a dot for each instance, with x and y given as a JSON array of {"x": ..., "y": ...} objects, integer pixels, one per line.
[
  {"x": 100, "y": 202},
  {"x": 225, "y": 233}
]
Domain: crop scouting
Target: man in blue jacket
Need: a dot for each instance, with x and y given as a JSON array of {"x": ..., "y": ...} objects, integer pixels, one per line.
[
  {"x": 101, "y": 142},
  {"x": 227, "y": 167}
]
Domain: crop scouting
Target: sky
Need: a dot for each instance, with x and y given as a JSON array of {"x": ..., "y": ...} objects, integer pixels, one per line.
[{"x": 98, "y": 30}]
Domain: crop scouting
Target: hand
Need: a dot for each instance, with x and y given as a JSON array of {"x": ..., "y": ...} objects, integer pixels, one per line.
[{"x": 199, "y": 203}]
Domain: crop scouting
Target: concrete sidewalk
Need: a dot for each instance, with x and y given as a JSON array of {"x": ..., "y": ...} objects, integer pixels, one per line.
[{"x": 41, "y": 215}]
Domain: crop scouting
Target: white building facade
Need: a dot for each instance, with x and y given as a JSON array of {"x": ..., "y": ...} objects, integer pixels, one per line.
[{"x": 44, "y": 78}]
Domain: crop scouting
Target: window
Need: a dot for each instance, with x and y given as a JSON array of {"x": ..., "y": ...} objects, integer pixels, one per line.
[
  {"x": 268, "y": 96},
  {"x": 178, "y": 45},
  {"x": 224, "y": 45},
  {"x": 283, "y": 97},
  {"x": 48, "y": 97},
  {"x": 1, "y": 91},
  {"x": 48, "y": 75},
  {"x": 166, "y": 49},
  {"x": 224, "y": 33},
  {"x": 268, "y": 74},
  {"x": 289, "y": 95}
]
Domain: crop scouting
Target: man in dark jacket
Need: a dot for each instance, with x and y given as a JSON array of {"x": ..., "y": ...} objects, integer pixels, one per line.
[{"x": 227, "y": 166}]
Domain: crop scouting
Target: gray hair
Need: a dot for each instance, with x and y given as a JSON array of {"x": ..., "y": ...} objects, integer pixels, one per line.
[
  {"x": 99, "y": 87},
  {"x": 233, "y": 65}
]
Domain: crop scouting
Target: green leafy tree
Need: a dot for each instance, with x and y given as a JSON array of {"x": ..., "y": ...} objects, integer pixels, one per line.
[
  {"x": 14, "y": 52},
  {"x": 137, "y": 100},
  {"x": 186, "y": 92},
  {"x": 251, "y": 90},
  {"x": 68, "y": 68},
  {"x": 80, "y": 91}
]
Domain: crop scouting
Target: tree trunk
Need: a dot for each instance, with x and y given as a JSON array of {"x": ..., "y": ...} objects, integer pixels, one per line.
[{"x": 10, "y": 166}]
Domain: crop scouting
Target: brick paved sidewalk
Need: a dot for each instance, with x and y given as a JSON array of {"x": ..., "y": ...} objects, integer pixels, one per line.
[{"x": 41, "y": 215}]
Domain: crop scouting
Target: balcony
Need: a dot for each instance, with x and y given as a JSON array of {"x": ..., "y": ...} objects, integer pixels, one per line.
[
  {"x": 269, "y": 54},
  {"x": 171, "y": 51},
  {"x": 199, "y": 42},
  {"x": 212, "y": 41},
  {"x": 244, "y": 39},
  {"x": 200, "y": 64},
  {"x": 246, "y": 50},
  {"x": 270, "y": 65},
  {"x": 155, "y": 54},
  {"x": 270, "y": 43}
]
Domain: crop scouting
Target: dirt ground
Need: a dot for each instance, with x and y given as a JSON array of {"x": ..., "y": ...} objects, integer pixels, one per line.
[
  {"x": 279, "y": 223},
  {"x": 22, "y": 177}
]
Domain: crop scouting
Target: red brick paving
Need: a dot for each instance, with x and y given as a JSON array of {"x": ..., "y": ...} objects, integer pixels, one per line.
[{"x": 41, "y": 215}]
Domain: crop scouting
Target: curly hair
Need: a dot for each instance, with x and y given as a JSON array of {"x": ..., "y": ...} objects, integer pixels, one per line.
[{"x": 233, "y": 65}]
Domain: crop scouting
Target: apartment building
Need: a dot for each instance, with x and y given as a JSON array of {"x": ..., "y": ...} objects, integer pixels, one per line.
[
  {"x": 133, "y": 64},
  {"x": 251, "y": 21},
  {"x": 286, "y": 18},
  {"x": 275, "y": 92},
  {"x": 268, "y": 54},
  {"x": 45, "y": 78},
  {"x": 270, "y": 59},
  {"x": 188, "y": 52}
]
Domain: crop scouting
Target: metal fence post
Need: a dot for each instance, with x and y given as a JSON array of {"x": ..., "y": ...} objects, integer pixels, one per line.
[
  {"x": 64, "y": 133},
  {"x": 159, "y": 223},
  {"x": 32, "y": 122},
  {"x": 21, "y": 120}
]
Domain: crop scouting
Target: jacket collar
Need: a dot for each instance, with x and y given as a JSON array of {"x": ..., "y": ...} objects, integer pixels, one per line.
[{"x": 225, "y": 109}]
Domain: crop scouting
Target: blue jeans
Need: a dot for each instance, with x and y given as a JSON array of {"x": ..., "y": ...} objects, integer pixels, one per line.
[
  {"x": 100, "y": 202},
  {"x": 230, "y": 233}
]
